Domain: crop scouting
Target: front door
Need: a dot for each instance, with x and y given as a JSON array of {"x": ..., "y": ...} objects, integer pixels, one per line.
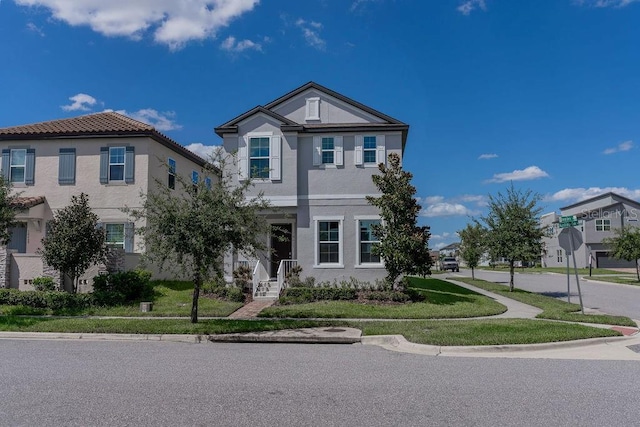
[{"x": 280, "y": 246}]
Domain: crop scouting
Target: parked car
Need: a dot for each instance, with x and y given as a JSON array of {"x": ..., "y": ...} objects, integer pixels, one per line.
[{"x": 449, "y": 263}]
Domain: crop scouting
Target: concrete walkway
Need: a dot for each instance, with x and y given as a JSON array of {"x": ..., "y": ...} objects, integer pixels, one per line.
[{"x": 252, "y": 309}]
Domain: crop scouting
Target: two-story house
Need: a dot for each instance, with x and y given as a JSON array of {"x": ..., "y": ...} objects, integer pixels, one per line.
[
  {"x": 112, "y": 158},
  {"x": 598, "y": 218},
  {"x": 312, "y": 152}
]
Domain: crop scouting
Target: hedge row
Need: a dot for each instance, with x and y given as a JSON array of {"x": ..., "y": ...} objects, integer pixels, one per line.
[{"x": 54, "y": 300}]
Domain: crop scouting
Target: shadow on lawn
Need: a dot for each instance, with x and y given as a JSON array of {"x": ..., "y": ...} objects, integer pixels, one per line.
[{"x": 440, "y": 292}]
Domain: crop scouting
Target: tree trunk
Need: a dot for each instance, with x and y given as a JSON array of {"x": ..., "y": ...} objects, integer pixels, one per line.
[
  {"x": 637, "y": 271},
  {"x": 473, "y": 275},
  {"x": 511, "y": 268},
  {"x": 74, "y": 284},
  {"x": 197, "y": 284}
]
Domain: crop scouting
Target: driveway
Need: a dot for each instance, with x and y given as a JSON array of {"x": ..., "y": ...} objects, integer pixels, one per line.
[{"x": 610, "y": 298}]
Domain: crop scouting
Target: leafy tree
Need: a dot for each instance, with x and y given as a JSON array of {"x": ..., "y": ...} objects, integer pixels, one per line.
[
  {"x": 513, "y": 228},
  {"x": 7, "y": 210},
  {"x": 195, "y": 225},
  {"x": 403, "y": 245},
  {"x": 472, "y": 245},
  {"x": 625, "y": 245},
  {"x": 74, "y": 242}
]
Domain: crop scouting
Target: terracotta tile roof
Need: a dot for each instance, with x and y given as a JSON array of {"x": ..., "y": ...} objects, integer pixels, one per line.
[
  {"x": 99, "y": 123},
  {"x": 108, "y": 123},
  {"x": 27, "y": 202}
]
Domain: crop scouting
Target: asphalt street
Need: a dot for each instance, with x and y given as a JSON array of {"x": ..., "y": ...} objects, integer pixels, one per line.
[
  {"x": 611, "y": 298},
  {"x": 91, "y": 383}
]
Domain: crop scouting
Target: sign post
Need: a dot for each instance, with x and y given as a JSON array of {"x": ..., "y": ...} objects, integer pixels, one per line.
[{"x": 571, "y": 239}]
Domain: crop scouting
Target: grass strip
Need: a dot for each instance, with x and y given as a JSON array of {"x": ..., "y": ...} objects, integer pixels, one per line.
[
  {"x": 625, "y": 280},
  {"x": 443, "y": 300},
  {"x": 553, "y": 309},
  {"x": 445, "y": 332},
  {"x": 560, "y": 270}
]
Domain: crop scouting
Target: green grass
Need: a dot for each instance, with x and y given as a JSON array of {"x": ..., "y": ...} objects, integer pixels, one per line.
[
  {"x": 445, "y": 332},
  {"x": 443, "y": 300},
  {"x": 553, "y": 309},
  {"x": 561, "y": 270},
  {"x": 625, "y": 280},
  {"x": 170, "y": 299}
]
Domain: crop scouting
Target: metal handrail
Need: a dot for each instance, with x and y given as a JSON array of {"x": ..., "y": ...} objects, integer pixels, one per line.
[{"x": 284, "y": 268}]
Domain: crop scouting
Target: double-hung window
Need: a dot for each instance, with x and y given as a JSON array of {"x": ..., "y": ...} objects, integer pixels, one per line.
[
  {"x": 367, "y": 241},
  {"x": 327, "y": 150},
  {"x": 119, "y": 235},
  {"x": 370, "y": 150},
  {"x": 18, "y": 165},
  {"x": 559, "y": 255},
  {"x": 117, "y": 164},
  {"x": 259, "y": 157},
  {"x": 171, "y": 164},
  {"x": 329, "y": 241},
  {"x": 603, "y": 224}
]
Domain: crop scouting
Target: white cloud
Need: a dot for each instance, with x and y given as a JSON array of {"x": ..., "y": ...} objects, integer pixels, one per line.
[
  {"x": 532, "y": 172},
  {"x": 439, "y": 246},
  {"x": 442, "y": 236},
  {"x": 230, "y": 44},
  {"x": 579, "y": 194},
  {"x": 623, "y": 146},
  {"x": 604, "y": 3},
  {"x": 205, "y": 151},
  {"x": 311, "y": 32},
  {"x": 487, "y": 156},
  {"x": 81, "y": 102},
  {"x": 430, "y": 200},
  {"x": 35, "y": 29},
  {"x": 468, "y": 6},
  {"x": 446, "y": 209},
  {"x": 162, "y": 121},
  {"x": 172, "y": 22},
  {"x": 479, "y": 200}
]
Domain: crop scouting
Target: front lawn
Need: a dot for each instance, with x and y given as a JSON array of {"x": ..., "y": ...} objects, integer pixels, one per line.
[
  {"x": 553, "y": 308},
  {"x": 443, "y": 300}
]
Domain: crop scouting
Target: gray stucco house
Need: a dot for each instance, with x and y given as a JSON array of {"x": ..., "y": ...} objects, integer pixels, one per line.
[
  {"x": 598, "y": 217},
  {"x": 312, "y": 153}
]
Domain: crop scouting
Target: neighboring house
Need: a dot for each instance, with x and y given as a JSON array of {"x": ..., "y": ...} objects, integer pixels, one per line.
[
  {"x": 450, "y": 250},
  {"x": 312, "y": 152},
  {"x": 598, "y": 217},
  {"x": 112, "y": 158}
]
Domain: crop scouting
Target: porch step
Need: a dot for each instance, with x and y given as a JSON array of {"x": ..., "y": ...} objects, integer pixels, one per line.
[{"x": 267, "y": 290}]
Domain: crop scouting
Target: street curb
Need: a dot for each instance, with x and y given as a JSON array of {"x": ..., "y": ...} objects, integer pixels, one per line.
[{"x": 101, "y": 337}]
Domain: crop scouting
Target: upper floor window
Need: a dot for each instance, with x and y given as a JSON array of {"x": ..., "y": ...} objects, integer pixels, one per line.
[
  {"x": 171, "y": 164},
  {"x": 18, "y": 165},
  {"x": 327, "y": 150},
  {"x": 369, "y": 150},
  {"x": 312, "y": 109},
  {"x": 603, "y": 224},
  {"x": 207, "y": 183},
  {"x": 259, "y": 156},
  {"x": 117, "y": 164}
]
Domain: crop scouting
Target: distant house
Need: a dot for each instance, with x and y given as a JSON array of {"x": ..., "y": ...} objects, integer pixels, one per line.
[
  {"x": 312, "y": 152},
  {"x": 450, "y": 250},
  {"x": 108, "y": 156},
  {"x": 598, "y": 218}
]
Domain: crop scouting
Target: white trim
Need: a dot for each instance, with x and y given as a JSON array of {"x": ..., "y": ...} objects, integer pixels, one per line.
[
  {"x": 316, "y": 242},
  {"x": 312, "y": 108},
  {"x": 358, "y": 264},
  {"x": 335, "y": 196},
  {"x": 258, "y": 114},
  {"x": 282, "y": 201}
]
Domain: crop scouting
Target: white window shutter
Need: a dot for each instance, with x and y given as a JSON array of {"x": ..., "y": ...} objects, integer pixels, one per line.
[
  {"x": 357, "y": 154},
  {"x": 275, "y": 158},
  {"x": 317, "y": 151},
  {"x": 338, "y": 156},
  {"x": 381, "y": 151},
  {"x": 243, "y": 159}
]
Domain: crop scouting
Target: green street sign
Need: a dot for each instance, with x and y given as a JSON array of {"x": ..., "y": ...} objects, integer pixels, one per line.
[{"x": 568, "y": 221}]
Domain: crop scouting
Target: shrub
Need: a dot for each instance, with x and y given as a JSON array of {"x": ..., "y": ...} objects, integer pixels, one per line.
[
  {"x": 121, "y": 288},
  {"x": 299, "y": 295},
  {"x": 242, "y": 277},
  {"x": 44, "y": 284},
  {"x": 53, "y": 300},
  {"x": 394, "y": 296},
  {"x": 220, "y": 290}
]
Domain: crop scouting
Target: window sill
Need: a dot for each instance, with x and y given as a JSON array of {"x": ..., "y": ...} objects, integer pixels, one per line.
[
  {"x": 116, "y": 184},
  {"x": 328, "y": 266},
  {"x": 369, "y": 266},
  {"x": 327, "y": 166}
]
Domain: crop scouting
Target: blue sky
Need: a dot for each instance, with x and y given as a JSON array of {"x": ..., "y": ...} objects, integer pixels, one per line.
[{"x": 544, "y": 94}]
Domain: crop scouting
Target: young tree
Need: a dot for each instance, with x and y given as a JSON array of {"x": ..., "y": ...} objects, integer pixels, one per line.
[
  {"x": 625, "y": 245},
  {"x": 472, "y": 245},
  {"x": 195, "y": 225},
  {"x": 74, "y": 242},
  {"x": 7, "y": 210},
  {"x": 513, "y": 228},
  {"x": 403, "y": 245}
]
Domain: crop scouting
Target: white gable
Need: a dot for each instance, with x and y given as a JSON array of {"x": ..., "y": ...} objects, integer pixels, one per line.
[{"x": 310, "y": 104}]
